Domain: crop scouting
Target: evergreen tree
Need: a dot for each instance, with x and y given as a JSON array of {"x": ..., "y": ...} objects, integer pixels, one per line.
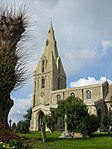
[
  {"x": 22, "y": 127},
  {"x": 14, "y": 127},
  {"x": 27, "y": 116}
]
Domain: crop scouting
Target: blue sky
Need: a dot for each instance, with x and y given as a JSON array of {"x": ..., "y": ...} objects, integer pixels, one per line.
[{"x": 83, "y": 31}]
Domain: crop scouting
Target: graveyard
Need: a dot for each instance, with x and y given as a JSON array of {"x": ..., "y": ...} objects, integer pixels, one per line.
[{"x": 97, "y": 141}]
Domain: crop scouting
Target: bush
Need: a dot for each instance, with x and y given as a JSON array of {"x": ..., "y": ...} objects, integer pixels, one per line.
[
  {"x": 22, "y": 127},
  {"x": 13, "y": 144},
  {"x": 7, "y": 134},
  {"x": 14, "y": 127},
  {"x": 89, "y": 125}
]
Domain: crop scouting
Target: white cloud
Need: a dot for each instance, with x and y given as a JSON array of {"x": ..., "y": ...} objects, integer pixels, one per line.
[
  {"x": 19, "y": 109},
  {"x": 79, "y": 59},
  {"x": 106, "y": 44},
  {"x": 89, "y": 81},
  {"x": 79, "y": 28}
]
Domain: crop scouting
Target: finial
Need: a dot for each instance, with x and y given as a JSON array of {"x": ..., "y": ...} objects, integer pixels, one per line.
[
  {"x": 51, "y": 26},
  {"x": 51, "y": 22}
]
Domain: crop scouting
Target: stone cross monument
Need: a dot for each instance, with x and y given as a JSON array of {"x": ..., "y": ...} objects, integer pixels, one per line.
[
  {"x": 65, "y": 122},
  {"x": 65, "y": 133}
]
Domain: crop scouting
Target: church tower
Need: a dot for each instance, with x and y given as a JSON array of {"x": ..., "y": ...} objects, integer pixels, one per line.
[{"x": 48, "y": 76}]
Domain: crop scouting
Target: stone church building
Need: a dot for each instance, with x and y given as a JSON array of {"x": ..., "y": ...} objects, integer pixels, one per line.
[{"x": 50, "y": 86}]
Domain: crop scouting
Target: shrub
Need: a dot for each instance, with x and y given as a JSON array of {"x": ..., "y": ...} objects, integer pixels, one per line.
[
  {"x": 89, "y": 125},
  {"x": 22, "y": 127},
  {"x": 14, "y": 127},
  {"x": 13, "y": 144},
  {"x": 7, "y": 134}
]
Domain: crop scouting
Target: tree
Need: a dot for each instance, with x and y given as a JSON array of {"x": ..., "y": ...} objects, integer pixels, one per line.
[
  {"x": 22, "y": 127},
  {"x": 107, "y": 121},
  {"x": 28, "y": 116},
  {"x": 89, "y": 125},
  {"x": 78, "y": 118},
  {"x": 12, "y": 65},
  {"x": 75, "y": 110},
  {"x": 49, "y": 122},
  {"x": 14, "y": 127}
]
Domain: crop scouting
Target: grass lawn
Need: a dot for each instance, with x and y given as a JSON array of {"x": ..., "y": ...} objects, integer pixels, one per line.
[{"x": 98, "y": 141}]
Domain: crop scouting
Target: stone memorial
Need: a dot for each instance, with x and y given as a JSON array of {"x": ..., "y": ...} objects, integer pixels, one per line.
[{"x": 65, "y": 133}]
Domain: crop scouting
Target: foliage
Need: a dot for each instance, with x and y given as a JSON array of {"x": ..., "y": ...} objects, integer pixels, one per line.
[
  {"x": 106, "y": 120},
  {"x": 14, "y": 127},
  {"x": 28, "y": 116},
  {"x": 99, "y": 116},
  {"x": 49, "y": 121},
  {"x": 89, "y": 125},
  {"x": 78, "y": 118},
  {"x": 75, "y": 110},
  {"x": 7, "y": 134},
  {"x": 13, "y": 144},
  {"x": 22, "y": 127},
  {"x": 12, "y": 25}
]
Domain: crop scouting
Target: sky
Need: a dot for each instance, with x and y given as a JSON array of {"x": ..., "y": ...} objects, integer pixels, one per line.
[{"x": 83, "y": 30}]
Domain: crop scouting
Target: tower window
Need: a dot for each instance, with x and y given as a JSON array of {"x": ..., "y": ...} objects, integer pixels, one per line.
[
  {"x": 43, "y": 65},
  {"x": 58, "y": 83},
  {"x": 43, "y": 82},
  {"x": 88, "y": 94}
]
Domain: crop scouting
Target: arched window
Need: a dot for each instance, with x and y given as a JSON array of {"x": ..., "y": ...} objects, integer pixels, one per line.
[
  {"x": 88, "y": 94},
  {"x": 42, "y": 82},
  {"x": 58, "y": 97},
  {"x": 43, "y": 65},
  {"x": 72, "y": 94}
]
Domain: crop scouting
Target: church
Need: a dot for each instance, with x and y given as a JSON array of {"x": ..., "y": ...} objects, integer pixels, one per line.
[{"x": 50, "y": 87}]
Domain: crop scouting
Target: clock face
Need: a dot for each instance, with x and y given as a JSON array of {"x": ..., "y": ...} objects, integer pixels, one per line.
[{"x": 42, "y": 94}]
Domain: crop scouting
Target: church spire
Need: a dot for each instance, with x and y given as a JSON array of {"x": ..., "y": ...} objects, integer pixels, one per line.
[
  {"x": 51, "y": 46},
  {"x": 51, "y": 31}
]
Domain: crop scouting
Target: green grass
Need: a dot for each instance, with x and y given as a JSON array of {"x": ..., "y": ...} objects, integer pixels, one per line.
[{"x": 98, "y": 141}]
